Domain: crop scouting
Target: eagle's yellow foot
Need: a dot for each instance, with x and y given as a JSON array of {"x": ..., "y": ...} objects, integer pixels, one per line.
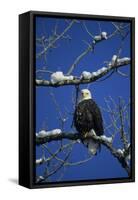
[{"x": 85, "y": 135}]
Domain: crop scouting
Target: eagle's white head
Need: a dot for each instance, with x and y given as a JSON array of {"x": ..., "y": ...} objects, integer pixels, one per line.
[{"x": 85, "y": 95}]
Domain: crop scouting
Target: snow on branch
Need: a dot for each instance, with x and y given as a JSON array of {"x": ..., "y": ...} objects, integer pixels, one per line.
[
  {"x": 43, "y": 133},
  {"x": 48, "y": 136},
  {"x": 98, "y": 38},
  {"x": 56, "y": 134},
  {"x": 59, "y": 76},
  {"x": 59, "y": 79}
]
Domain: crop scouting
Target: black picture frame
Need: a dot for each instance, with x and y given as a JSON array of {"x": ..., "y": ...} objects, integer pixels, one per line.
[{"x": 27, "y": 98}]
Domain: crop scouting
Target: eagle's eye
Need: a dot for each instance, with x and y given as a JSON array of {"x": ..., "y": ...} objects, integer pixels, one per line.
[{"x": 86, "y": 93}]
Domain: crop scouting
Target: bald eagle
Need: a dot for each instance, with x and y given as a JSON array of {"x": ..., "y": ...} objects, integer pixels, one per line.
[{"x": 88, "y": 120}]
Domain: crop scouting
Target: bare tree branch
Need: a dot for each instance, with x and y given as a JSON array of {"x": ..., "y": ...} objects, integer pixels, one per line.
[
  {"x": 56, "y": 39},
  {"x": 77, "y": 60},
  {"x": 57, "y": 168}
]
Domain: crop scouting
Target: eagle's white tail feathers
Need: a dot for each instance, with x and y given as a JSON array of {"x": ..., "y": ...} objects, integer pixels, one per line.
[{"x": 92, "y": 146}]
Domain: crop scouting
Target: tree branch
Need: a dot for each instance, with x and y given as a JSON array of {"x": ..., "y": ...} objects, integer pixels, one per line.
[
  {"x": 57, "y": 136},
  {"x": 57, "y": 38},
  {"x": 77, "y": 60},
  {"x": 81, "y": 80},
  {"x": 106, "y": 141}
]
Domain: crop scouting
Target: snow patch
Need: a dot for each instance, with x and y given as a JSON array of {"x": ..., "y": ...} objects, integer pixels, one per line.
[
  {"x": 94, "y": 74},
  {"x": 120, "y": 151},
  {"x": 118, "y": 61},
  {"x": 97, "y": 38},
  {"x": 86, "y": 75},
  {"x": 104, "y": 35},
  {"x": 123, "y": 60},
  {"x": 39, "y": 161},
  {"x": 39, "y": 179},
  {"x": 114, "y": 60},
  {"x": 103, "y": 69},
  {"x": 59, "y": 76},
  {"x": 98, "y": 72},
  {"x": 106, "y": 139},
  {"x": 38, "y": 81},
  {"x": 44, "y": 133}
]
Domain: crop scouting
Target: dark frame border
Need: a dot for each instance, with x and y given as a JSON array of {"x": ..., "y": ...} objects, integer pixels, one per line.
[{"x": 32, "y": 87}]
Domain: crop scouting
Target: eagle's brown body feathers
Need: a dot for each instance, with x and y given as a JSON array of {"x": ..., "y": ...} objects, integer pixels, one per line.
[{"x": 88, "y": 117}]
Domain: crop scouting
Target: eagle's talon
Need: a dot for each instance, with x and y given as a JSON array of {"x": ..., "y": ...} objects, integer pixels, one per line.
[{"x": 85, "y": 135}]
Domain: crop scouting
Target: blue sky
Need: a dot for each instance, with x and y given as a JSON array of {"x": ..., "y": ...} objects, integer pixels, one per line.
[{"x": 104, "y": 165}]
